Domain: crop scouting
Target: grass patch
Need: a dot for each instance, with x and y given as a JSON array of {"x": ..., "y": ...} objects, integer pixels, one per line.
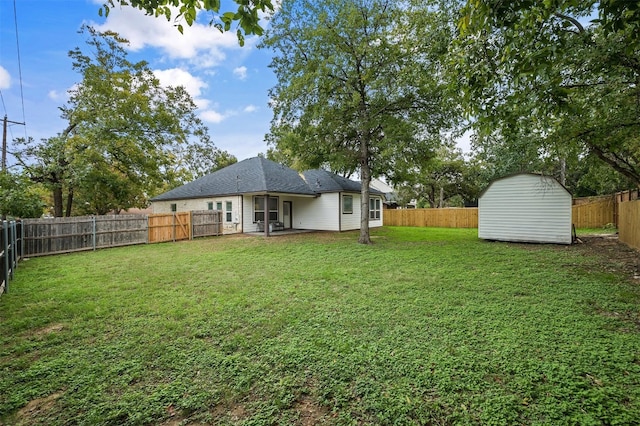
[
  {"x": 605, "y": 230},
  {"x": 427, "y": 326}
]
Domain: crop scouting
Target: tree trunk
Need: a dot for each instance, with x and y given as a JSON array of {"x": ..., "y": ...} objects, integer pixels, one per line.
[
  {"x": 69, "y": 202},
  {"x": 441, "y": 198},
  {"x": 365, "y": 177},
  {"x": 57, "y": 201},
  {"x": 431, "y": 197}
]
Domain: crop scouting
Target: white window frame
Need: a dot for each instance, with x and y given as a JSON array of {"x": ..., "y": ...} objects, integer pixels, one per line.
[
  {"x": 256, "y": 210},
  {"x": 374, "y": 209},
  {"x": 228, "y": 211},
  {"x": 344, "y": 204}
]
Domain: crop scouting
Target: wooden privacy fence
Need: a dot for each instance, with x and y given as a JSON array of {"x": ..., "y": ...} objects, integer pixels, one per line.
[
  {"x": 629, "y": 223},
  {"x": 437, "y": 218},
  {"x": 9, "y": 252},
  {"x": 174, "y": 227},
  {"x": 66, "y": 235},
  {"x": 69, "y": 234},
  {"x": 590, "y": 215},
  {"x": 595, "y": 214}
]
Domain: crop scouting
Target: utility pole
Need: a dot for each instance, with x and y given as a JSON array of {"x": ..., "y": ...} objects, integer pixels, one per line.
[{"x": 4, "y": 140}]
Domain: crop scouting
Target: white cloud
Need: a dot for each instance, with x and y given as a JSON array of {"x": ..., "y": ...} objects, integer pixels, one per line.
[
  {"x": 179, "y": 77},
  {"x": 57, "y": 96},
  {"x": 212, "y": 116},
  {"x": 200, "y": 44},
  {"x": 54, "y": 95},
  {"x": 216, "y": 117},
  {"x": 5, "y": 78},
  {"x": 240, "y": 72},
  {"x": 250, "y": 108}
]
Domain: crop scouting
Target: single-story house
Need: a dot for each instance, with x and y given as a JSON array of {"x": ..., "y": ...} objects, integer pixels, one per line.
[
  {"x": 313, "y": 199},
  {"x": 525, "y": 207}
]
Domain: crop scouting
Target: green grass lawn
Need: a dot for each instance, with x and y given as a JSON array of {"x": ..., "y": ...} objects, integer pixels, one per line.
[{"x": 426, "y": 326}]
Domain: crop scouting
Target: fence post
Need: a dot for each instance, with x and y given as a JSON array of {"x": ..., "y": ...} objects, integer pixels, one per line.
[
  {"x": 5, "y": 252},
  {"x": 93, "y": 232},
  {"x": 21, "y": 240},
  {"x": 13, "y": 238},
  {"x": 190, "y": 225}
]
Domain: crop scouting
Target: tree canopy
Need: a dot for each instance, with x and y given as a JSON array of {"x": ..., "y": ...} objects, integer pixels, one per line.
[
  {"x": 565, "y": 73},
  {"x": 360, "y": 86},
  {"x": 18, "y": 197},
  {"x": 247, "y": 15}
]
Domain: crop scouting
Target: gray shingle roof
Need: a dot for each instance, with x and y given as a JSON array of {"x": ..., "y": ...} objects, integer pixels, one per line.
[
  {"x": 259, "y": 175},
  {"x": 323, "y": 181}
]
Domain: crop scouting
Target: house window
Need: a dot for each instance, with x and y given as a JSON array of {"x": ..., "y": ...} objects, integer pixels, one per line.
[
  {"x": 174, "y": 207},
  {"x": 258, "y": 209},
  {"x": 210, "y": 205},
  {"x": 374, "y": 208},
  {"x": 219, "y": 206},
  {"x": 347, "y": 204},
  {"x": 229, "y": 208}
]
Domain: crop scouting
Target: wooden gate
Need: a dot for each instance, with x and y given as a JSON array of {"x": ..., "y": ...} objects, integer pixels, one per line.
[{"x": 169, "y": 227}]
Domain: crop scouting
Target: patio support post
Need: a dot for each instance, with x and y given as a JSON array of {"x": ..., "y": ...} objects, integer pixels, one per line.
[{"x": 266, "y": 215}]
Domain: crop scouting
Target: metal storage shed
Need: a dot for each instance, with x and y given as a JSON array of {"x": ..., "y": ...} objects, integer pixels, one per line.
[{"x": 525, "y": 207}]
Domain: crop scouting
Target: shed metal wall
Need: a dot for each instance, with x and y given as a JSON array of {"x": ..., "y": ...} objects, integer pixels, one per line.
[{"x": 525, "y": 208}]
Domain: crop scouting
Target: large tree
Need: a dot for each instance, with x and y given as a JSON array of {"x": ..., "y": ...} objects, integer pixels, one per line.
[
  {"x": 548, "y": 69},
  {"x": 128, "y": 137},
  {"x": 446, "y": 180},
  {"x": 360, "y": 86}
]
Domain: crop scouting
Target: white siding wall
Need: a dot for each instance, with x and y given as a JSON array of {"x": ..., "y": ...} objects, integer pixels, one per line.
[
  {"x": 525, "y": 208},
  {"x": 320, "y": 213},
  {"x": 247, "y": 211},
  {"x": 349, "y": 222},
  {"x": 232, "y": 227}
]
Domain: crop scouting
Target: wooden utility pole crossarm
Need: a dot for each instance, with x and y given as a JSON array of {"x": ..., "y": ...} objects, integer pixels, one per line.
[{"x": 4, "y": 140}]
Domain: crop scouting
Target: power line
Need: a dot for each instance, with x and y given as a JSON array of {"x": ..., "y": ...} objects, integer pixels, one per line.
[
  {"x": 4, "y": 107},
  {"x": 15, "y": 19}
]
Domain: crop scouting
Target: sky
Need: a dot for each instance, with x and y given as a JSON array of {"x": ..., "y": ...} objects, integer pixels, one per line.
[{"x": 228, "y": 83}]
